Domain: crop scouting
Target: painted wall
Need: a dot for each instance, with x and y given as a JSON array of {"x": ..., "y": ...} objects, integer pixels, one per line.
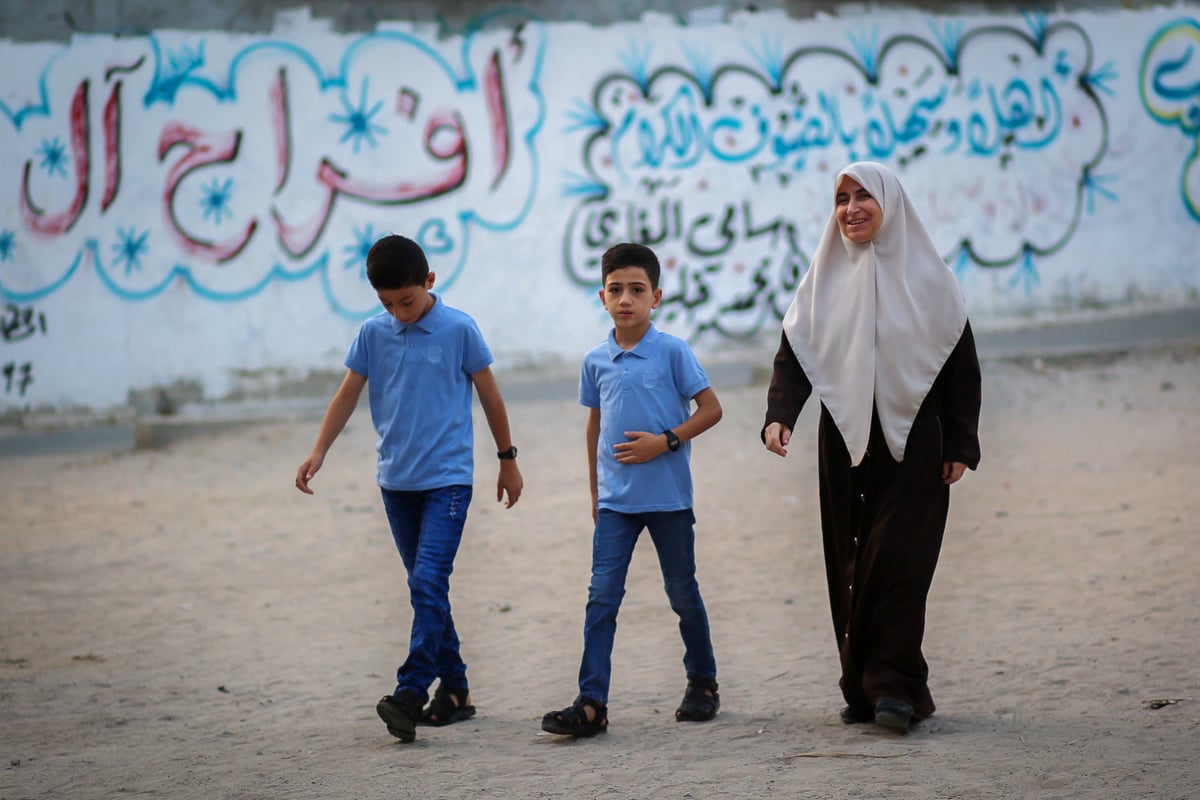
[{"x": 190, "y": 209}]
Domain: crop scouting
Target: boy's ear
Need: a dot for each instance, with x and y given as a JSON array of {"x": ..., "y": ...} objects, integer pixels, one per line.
[
  {"x": 657, "y": 298},
  {"x": 430, "y": 280}
]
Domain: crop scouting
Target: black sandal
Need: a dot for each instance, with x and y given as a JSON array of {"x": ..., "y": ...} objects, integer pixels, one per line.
[
  {"x": 700, "y": 701},
  {"x": 447, "y": 706},
  {"x": 400, "y": 713},
  {"x": 573, "y": 720}
]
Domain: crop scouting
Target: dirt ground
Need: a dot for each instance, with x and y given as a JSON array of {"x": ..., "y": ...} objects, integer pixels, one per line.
[{"x": 182, "y": 623}]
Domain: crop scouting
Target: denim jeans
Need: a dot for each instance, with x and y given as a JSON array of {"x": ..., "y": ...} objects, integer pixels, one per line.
[
  {"x": 612, "y": 548},
  {"x": 427, "y": 527}
]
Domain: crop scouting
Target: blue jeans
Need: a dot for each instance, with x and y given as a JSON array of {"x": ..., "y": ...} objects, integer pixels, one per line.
[
  {"x": 612, "y": 549},
  {"x": 427, "y": 527}
]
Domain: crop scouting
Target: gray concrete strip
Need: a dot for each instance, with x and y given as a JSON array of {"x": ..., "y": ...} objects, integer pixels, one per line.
[
  {"x": 1095, "y": 336},
  {"x": 68, "y": 441}
]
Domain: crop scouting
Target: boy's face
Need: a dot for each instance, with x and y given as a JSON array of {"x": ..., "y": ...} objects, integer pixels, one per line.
[
  {"x": 409, "y": 303},
  {"x": 628, "y": 297}
]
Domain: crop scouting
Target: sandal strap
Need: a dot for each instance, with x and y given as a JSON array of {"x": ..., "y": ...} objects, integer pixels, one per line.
[
  {"x": 575, "y": 714},
  {"x": 410, "y": 700},
  {"x": 573, "y": 720},
  {"x": 444, "y": 700},
  {"x": 700, "y": 700},
  {"x": 600, "y": 709},
  {"x": 459, "y": 693},
  {"x": 580, "y": 715}
]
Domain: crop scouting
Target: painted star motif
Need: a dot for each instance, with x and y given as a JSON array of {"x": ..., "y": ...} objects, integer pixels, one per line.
[
  {"x": 356, "y": 254},
  {"x": 130, "y": 248},
  {"x": 215, "y": 201},
  {"x": 359, "y": 127},
  {"x": 8, "y": 242},
  {"x": 53, "y": 155}
]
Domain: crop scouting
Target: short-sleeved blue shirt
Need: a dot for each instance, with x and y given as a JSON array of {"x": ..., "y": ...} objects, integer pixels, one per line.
[
  {"x": 420, "y": 388},
  {"x": 648, "y": 388}
]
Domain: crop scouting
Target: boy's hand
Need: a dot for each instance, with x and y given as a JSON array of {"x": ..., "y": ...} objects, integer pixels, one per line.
[
  {"x": 510, "y": 482},
  {"x": 642, "y": 447},
  {"x": 306, "y": 472}
]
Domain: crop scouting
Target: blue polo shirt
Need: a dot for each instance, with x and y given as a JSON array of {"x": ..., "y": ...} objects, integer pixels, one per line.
[
  {"x": 420, "y": 388},
  {"x": 648, "y": 388}
]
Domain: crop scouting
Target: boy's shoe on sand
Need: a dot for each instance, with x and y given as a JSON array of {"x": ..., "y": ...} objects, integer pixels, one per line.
[
  {"x": 449, "y": 705},
  {"x": 573, "y": 720},
  {"x": 400, "y": 712}
]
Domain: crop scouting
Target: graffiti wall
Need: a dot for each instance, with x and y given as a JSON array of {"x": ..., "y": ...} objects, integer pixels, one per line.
[{"x": 193, "y": 208}]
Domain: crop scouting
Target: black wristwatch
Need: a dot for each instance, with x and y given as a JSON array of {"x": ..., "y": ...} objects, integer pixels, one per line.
[
  {"x": 672, "y": 440},
  {"x": 510, "y": 453}
]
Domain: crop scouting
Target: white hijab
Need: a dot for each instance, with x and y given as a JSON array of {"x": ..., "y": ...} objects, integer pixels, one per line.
[{"x": 875, "y": 322}]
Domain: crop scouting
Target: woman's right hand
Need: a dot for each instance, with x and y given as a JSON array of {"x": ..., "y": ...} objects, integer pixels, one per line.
[{"x": 776, "y": 437}]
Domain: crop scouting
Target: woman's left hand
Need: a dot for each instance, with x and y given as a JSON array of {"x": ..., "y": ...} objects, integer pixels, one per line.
[
  {"x": 952, "y": 471},
  {"x": 776, "y": 437}
]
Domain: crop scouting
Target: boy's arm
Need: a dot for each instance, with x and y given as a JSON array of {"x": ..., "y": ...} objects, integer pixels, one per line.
[
  {"x": 708, "y": 413},
  {"x": 340, "y": 408},
  {"x": 592, "y": 433},
  {"x": 644, "y": 446},
  {"x": 510, "y": 480}
]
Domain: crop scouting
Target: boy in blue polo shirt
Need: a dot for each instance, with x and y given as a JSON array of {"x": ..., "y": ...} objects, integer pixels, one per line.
[
  {"x": 421, "y": 359},
  {"x": 638, "y": 387}
]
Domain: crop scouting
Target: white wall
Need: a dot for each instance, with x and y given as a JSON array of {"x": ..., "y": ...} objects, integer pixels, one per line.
[{"x": 192, "y": 207}]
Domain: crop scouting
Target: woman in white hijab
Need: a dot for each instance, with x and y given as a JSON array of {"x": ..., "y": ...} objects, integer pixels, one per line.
[{"x": 878, "y": 329}]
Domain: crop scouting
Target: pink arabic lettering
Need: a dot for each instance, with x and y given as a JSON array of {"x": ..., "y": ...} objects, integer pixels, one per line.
[
  {"x": 51, "y": 225},
  {"x": 444, "y": 141},
  {"x": 444, "y": 138},
  {"x": 281, "y": 127},
  {"x": 112, "y": 147},
  {"x": 497, "y": 102},
  {"x": 203, "y": 148}
]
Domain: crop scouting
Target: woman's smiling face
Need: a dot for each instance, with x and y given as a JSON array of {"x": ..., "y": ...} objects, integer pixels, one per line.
[{"x": 858, "y": 214}]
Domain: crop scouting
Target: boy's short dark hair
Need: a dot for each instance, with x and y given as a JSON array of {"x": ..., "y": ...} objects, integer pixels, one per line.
[
  {"x": 630, "y": 254},
  {"x": 396, "y": 262}
]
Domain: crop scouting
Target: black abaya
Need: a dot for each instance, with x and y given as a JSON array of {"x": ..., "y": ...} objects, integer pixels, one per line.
[{"x": 882, "y": 524}]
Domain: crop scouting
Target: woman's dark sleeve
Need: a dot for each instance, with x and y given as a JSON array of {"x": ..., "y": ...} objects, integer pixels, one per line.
[
  {"x": 961, "y": 402},
  {"x": 788, "y": 391}
]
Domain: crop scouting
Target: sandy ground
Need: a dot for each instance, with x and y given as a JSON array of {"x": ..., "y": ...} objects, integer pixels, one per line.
[{"x": 181, "y": 623}]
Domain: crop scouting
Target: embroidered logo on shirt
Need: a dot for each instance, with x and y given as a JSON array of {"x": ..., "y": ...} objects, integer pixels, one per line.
[
  {"x": 434, "y": 354},
  {"x": 650, "y": 378}
]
